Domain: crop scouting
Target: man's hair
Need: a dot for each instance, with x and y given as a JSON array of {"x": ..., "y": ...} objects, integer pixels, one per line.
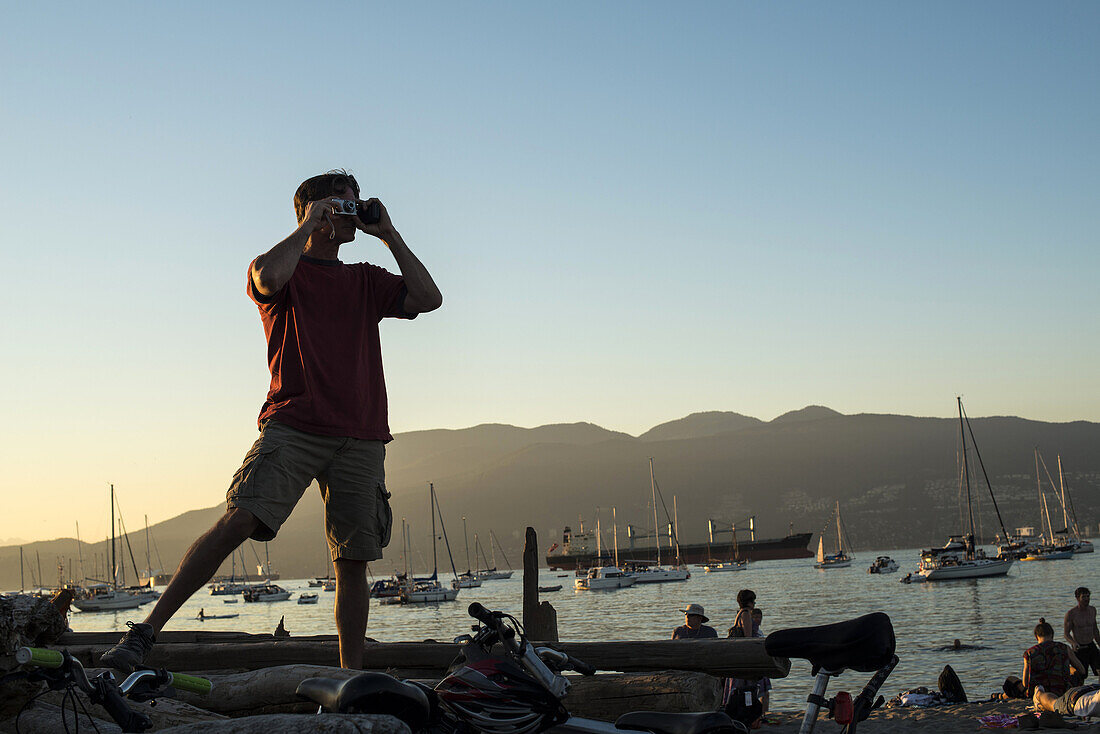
[
  {"x": 320, "y": 187},
  {"x": 745, "y": 597},
  {"x": 1082, "y": 590}
]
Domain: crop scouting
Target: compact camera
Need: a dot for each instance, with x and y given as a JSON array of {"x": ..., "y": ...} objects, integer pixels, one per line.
[
  {"x": 368, "y": 213},
  {"x": 344, "y": 206}
]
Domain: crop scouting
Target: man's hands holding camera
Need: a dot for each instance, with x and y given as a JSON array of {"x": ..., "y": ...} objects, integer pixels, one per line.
[{"x": 368, "y": 216}]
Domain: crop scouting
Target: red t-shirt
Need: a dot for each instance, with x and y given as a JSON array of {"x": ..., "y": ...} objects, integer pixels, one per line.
[{"x": 323, "y": 349}]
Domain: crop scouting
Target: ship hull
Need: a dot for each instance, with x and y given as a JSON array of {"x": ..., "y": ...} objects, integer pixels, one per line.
[{"x": 769, "y": 549}]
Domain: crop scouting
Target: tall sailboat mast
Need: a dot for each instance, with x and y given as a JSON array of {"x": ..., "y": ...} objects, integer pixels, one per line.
[
  {"x": 466, "y": 539},
  {"x": 966, "y": 477},
  {"x": 615, "y": 524},
  {"x": 114, "y": 568},
  {"x": 656, "y": 523},
  {"x": 435, "y": 561}
]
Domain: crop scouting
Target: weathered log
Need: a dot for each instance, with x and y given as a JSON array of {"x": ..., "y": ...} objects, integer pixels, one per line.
[
  {"x": 167, "y": 711},
  {"x": 239, "y": 694},
  {"x": 31, "y": 620},
  {"x": 45, "y": 718},
  {"x": 606, "y": 697},
  {"x": 539, "y": 619},
  {"x": 324, "y": 724},
  {"x": 737, "y": 657}
]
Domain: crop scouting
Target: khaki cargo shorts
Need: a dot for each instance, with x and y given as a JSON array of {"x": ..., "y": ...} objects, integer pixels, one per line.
[{"x": 349, "y": 471}]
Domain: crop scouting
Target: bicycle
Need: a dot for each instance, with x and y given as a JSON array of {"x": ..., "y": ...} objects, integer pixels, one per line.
[
  {"x": 500, "y": 684},
  {"x": 60, "y": 670},
  {"x": 865, "y": 644}
]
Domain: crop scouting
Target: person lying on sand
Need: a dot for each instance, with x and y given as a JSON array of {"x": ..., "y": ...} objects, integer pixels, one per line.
[{"x": 1079, "y": 701}]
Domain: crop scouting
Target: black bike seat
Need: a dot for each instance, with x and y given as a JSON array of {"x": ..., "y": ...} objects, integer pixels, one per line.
[
  {"x": 865, "y": 644},
  {"x": 369, "y": 693},
  {"x": 710, "y": 722}
]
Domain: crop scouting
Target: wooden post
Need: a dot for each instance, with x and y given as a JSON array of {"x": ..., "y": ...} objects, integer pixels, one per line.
[{"x": 539, "y": 619}]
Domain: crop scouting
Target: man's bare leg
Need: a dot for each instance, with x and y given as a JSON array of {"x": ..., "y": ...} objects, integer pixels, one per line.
[
  {"x": 352, "y": 609},
  {"x": 201, "y": 562},
  {"x": 1043, "y": 701}
]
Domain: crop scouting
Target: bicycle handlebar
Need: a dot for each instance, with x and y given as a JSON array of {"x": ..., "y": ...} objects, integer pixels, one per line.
[
  {"x": 39, "y": 656},
  {"x": 190, "y": 683}
]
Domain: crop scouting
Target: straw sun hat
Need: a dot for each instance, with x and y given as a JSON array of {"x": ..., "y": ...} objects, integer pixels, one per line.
[{"x": 696, "y": 609}]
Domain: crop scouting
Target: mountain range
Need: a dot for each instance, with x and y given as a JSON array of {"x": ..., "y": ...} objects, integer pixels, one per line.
[{"x": 896, "y": 478}]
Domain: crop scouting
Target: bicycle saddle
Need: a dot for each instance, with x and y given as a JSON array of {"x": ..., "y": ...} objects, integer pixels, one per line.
[
  {"x": 865, "y": 644},
  {"x": 369, "y": 693},
  {"x": 710, "y": 722}
]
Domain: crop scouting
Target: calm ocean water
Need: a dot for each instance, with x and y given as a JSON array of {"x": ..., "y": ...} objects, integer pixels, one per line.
[{"x": 996, "y": 614}]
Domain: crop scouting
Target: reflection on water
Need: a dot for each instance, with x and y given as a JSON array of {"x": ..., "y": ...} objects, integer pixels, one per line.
[{"x": 997, "y": 614}]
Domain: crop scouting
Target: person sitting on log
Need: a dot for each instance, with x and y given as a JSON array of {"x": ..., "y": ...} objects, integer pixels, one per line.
[{"x": 693, "y": 626}]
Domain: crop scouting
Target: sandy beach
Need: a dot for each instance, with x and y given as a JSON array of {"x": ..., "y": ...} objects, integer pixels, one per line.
[{"x": 951, "y": 719}]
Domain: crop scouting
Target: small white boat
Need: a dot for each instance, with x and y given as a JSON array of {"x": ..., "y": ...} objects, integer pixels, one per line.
[
  {"x": 205, "y": 617},
  {"x": 724, "y": 566},
  {"x": 232, "y": 600},
  {"x": 604, "y": 577},
  {"x": 883, "y": 564},
  {"x": 427, "y": 592},
  {"x": 266, "y": 592},
  {"x": 646, "y": 574},
  {"x": 106, "y": 599},
  {"x": 466, "y": 581},
  {"x": 1083, "y": 546},
  {"x": 307, "y": 598},
  {"x": 1049, "y": 553}
]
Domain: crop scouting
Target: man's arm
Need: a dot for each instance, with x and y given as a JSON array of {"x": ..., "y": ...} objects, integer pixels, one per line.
[
  {"x": 273, "y": 269},
  {"x": 1067, "y": 628},
  {"x": 1095, "y": 632},
  {"x": 422, "y": 293}
]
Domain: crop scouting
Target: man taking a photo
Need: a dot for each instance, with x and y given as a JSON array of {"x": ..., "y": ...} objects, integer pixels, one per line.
[{"x": 325, "y": 416}]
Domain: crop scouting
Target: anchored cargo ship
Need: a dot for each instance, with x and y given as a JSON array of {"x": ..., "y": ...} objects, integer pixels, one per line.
[{"x": 583, "y": 548}]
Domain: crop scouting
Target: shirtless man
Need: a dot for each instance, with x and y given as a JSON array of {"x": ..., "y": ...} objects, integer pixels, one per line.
[{"x": 1081, "y": 632}]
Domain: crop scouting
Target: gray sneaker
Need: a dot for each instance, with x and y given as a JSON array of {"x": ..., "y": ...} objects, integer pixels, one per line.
[{"x": 131, "y": 650}]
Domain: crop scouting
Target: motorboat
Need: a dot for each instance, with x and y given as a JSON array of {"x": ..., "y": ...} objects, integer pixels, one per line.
[
  {"x": 330, "y": 585},
  {"x": 883, "y": 564},
  {"x": 386, "y": 588},
  {"x": 549, "y": 589},
  {"x": 724, "y": 566},
  {"x": 266, "y": 592},
  {"x": 604, "y": 577},
  {"x": 307, "y": 598}
]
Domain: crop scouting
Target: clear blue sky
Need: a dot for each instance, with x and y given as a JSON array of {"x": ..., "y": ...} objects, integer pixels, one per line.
[{"x": 634, "y": 210}]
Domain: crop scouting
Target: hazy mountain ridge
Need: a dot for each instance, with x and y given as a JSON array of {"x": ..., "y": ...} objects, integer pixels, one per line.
[{"x": 895, "y": 477}]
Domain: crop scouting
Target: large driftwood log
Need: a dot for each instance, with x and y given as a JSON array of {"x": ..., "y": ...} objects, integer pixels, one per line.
[
  {"x": 45, "y": 718},
  {"x": 606, "y": 697},
  {"x": 740, "y": 657},
  {"x": 239, "y": 694},
  {"x": 324, "y": 724},
  {"x": 167, "y": 712},
  {"x": 32, "y": 620}
]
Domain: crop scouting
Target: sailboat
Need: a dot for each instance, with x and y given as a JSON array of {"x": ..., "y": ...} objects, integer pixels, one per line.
[
  {"x": 658, "y": 574},
  {"x": 958, "y": 558},
  {"x": 490, "y": 572},
  {"x": 1051, "y": 548},
  {"x": 840, "y": 559},
  {"x": 734, "y": 563},
  {"x": 1080, "y": 545},
  {"x": 419, "y": 591},
  {"x": 468, "y": 579},
  {"x": 108, "y": 597}
]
